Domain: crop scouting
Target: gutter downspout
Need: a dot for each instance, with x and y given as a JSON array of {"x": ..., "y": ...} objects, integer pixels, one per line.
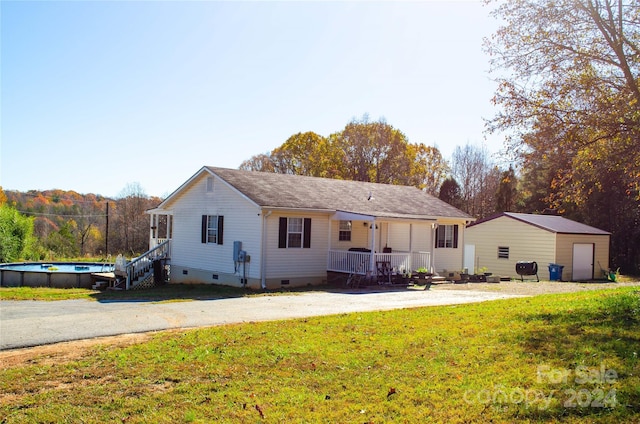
[{"x": 263, "y": 252}]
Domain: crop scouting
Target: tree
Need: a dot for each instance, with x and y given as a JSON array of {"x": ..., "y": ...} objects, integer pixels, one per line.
[
  {"x": 506, "y": 196},
  {"x": 374, "y": 152},
  {"x": 261, "y": 162},
  {"x": 478, "y": 179},
  {"x": 568, "y": 92},
  {"x": 306, "y": 154},
  {"x": 362, "y": 151},
  {"x": 429, "y": 168},
  {"x": 131, "y": 220},
  {"x": 62, "y": 241},
  {"x": 16, "y": 235},
  {"x": 450, "y": 192}
]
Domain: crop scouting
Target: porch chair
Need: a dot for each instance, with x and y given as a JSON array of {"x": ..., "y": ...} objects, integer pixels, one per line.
[{"x": 383, "y": 272}]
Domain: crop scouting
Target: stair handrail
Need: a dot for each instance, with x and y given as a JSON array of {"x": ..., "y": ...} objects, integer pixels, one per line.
[{"x": 144, "y": 262}]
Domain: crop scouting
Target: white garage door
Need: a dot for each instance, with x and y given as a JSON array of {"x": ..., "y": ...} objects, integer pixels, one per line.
[{"x": 582, "y": 262}]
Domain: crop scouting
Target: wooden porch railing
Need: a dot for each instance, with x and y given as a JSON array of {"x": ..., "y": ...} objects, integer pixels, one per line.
[{"x": 360, "y": 262}]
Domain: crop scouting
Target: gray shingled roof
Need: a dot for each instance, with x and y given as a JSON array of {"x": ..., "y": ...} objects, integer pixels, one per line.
[
  {"x": 554, "y": 223},
  {"x": 300, "y": 192}
]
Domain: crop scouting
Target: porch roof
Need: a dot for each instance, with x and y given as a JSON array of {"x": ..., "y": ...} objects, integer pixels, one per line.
[{"x": 350, "y": 216}]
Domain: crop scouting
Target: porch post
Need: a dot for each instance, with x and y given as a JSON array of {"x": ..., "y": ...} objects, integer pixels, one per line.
[
  {"x": 434, "y": 228},
  {"x": 410, "y": 248},
  {"x": 151, "y": 238},
  {"x": 372, "y": 263},
  {"x": 329, "y": 244}
]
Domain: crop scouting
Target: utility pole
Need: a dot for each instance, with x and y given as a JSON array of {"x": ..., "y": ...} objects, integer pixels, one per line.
[{"x": 106, "y": 233}]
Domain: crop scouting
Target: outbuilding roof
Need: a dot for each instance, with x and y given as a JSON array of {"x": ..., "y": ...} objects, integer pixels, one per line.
[
  {"x": 553, "y": 223},
  {"x": 285, "y": 191}
]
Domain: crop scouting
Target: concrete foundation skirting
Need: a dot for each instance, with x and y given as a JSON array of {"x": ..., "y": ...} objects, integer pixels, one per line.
[{"x": 185, "y": 275}]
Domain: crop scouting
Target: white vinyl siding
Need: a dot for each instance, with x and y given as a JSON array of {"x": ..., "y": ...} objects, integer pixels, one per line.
[
  {"x": 399, "y": 237},
  {"x": 242, "y": 222},
  {"x": 359, "y": 236},
  {"x": 526, "y": 243},
  {"x": 530, "y": 243},
  {"x": 289, "y": 263},
  {"x": 564, "y": 249}
]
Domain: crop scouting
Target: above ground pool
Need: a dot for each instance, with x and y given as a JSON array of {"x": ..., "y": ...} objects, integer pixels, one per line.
[{"x": 50, "y": 274}]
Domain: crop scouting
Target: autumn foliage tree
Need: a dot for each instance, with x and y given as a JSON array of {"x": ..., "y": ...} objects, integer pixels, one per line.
[
  {"x": 568, "y": 74},
  {"x": 66, "y": 224},
  {"x": 363, "y": 150},
  {"x": 306, "y": 154}
]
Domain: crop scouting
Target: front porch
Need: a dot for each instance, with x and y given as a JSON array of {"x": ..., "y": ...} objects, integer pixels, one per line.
[
  {"x": 366, "y": 263},
  {"x": 380, "y": 246}
]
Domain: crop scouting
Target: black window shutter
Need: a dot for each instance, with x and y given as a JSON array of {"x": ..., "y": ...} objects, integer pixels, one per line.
[
  {"x": 220, "y": 228},
  {"x": 455, "y": 236},
  {"x": 307, "y": 233},
  {"x": 282, "y": 234},
  {"x": 437, "y": 236},
  {"x": 204, "y": 228}
]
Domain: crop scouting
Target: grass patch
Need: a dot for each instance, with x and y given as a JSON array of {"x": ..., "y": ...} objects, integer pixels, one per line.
[
  {"x": 44, "y": 293},
  {"x": 554, "y": 358},
  {"x": 169, "y": 292}
]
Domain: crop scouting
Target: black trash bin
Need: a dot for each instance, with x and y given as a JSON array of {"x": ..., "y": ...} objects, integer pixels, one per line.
[{"x": 158, "y": 272}]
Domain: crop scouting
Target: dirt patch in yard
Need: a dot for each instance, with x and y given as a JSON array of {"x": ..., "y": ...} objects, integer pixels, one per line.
[{"x": 65, "y": 351}]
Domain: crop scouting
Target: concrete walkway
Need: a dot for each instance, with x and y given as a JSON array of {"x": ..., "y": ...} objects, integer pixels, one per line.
[{"x": 33, "y": 323}]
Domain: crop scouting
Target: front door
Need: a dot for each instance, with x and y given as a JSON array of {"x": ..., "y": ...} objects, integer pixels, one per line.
[
  {"x": 470, "y": 258},
  {"x": 583, "y": 262}
]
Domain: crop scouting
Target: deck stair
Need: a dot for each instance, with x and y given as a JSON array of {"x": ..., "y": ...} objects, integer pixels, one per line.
[{"x": 137, "y": 273}]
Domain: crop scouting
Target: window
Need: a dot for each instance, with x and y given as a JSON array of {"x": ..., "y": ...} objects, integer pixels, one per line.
[
  {"x": 209, "y": 184},
  {"x": 503, "y": 252},
  {"x": 344, "y": 233},
  {"x": 212, "y": 229},
  {"x": 447, "y": 236},
  {"x": 294, "y": 233}
]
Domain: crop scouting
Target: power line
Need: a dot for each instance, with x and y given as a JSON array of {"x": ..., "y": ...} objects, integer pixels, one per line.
[{"x": 61, "y": 214}]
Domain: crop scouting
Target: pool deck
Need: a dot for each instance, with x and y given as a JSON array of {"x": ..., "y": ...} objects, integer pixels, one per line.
[{"x": 100, "y": 278}]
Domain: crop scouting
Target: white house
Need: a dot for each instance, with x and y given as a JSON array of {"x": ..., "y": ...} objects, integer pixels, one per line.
[
  {"x": 500, "y": 241},
  {"x": 268, "y": 230}
]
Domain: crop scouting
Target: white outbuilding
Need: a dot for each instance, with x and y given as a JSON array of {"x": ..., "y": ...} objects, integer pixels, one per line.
[{"x": 562, "y": 248}]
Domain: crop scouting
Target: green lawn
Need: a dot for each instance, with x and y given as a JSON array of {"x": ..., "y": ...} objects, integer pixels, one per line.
[
  {"x": 553, "y": 358},
  {"x": 169, "y": 292}
]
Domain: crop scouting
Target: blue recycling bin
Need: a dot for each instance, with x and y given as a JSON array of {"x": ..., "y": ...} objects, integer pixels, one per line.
[{"x": 555, "y": 272}]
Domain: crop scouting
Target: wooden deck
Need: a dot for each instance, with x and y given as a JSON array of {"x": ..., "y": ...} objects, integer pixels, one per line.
[{"x": 101, "y": 279}]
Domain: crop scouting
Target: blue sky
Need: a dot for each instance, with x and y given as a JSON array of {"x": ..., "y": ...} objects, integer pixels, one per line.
[{"x": 99, "y": 95}]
